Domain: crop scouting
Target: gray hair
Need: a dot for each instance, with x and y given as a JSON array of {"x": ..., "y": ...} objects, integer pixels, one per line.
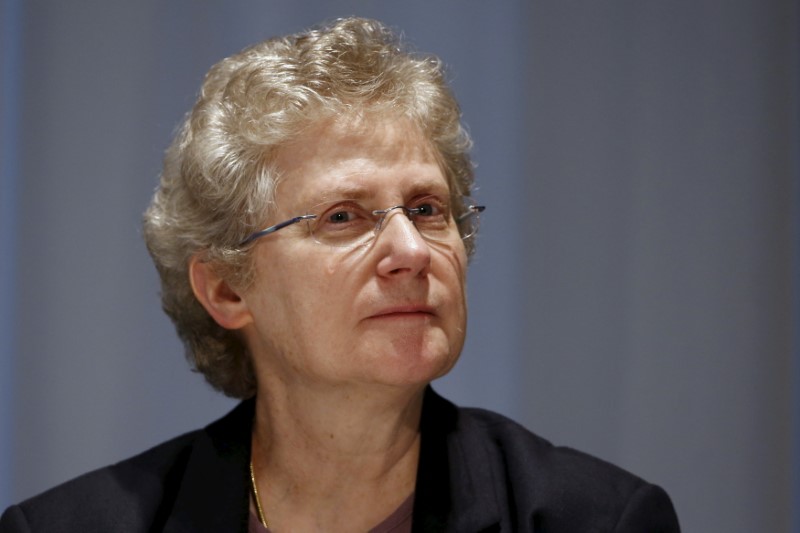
[{"x": 218, "y": 181}]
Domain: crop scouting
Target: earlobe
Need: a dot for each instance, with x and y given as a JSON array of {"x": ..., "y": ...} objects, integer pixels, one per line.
[{"x": 216, "y": 295}]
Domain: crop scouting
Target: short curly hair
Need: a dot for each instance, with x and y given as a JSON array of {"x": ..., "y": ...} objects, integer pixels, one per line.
[{"x": 218, "y": 180}]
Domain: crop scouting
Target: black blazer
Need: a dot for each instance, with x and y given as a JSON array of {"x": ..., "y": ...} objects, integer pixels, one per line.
[{"x": 478, "y": 471}]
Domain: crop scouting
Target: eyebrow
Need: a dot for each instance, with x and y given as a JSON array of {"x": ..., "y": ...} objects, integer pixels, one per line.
[{"x": 341, "y": 192}]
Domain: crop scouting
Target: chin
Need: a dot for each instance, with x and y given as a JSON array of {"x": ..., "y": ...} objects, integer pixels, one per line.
[
  {"x": 419, "y": 368},
  {"x": 411, "y": 358}
]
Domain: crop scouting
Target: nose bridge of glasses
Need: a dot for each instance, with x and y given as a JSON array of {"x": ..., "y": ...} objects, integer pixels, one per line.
[{"x": 384, "y": 214}]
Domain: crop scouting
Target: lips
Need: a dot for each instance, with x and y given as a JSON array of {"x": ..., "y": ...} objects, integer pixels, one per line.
[{"x": 401, "y": 311}]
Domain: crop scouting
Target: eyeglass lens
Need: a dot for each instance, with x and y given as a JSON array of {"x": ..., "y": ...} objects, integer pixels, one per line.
[{"x": 347, "y": 223}]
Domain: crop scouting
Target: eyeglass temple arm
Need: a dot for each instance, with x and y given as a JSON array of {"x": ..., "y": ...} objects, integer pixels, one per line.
[
  {"x": 276, "y": 227},
  {"x": 471, "y": 210}
]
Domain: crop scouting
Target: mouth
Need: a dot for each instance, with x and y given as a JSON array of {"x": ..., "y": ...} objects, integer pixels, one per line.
[{"x": 405, "y": 311}]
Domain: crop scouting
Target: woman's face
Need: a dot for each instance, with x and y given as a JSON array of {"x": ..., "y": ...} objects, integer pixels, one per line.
[{"x": 392, "y": 312}]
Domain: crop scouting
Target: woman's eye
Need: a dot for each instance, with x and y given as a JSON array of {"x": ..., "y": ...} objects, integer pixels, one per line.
[
  {"x": 340, "y": 217},
  {"x": 426, "y": 210},
  {"x": 430, "y": 209}
]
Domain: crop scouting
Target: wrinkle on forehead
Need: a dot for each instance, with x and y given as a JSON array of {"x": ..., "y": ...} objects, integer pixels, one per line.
[
  {"x": 358, "y": 147},
  {"x": 355, "y": 133}
]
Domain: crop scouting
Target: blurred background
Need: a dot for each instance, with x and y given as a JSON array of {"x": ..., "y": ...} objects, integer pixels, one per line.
[{"x": 634, "y": 294}]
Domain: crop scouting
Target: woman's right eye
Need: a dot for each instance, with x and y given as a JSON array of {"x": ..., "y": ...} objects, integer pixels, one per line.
[
  {"x": 342, "y": 219},
  {"x": 340, "y": 216}
]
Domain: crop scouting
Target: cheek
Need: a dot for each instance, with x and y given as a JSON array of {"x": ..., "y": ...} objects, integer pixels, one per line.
[
  {"x": 451, "y": 274},
  {"x": 295, "y": 290},
  {"x": 274, "y": 295},
  {"x": 454, "y": 270}
]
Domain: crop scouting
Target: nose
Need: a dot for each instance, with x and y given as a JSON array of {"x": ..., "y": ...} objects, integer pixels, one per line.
[{"x": 403, "y": 251}]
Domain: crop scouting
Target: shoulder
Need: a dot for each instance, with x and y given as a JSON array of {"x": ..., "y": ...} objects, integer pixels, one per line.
[
  {"x": 535, "y": 485},
  {"x": 156, "y": 490},
  {"x": 126, "y": 495},
  {"x": 534, "y": 463},
  {"x": 525, "y": 453}
]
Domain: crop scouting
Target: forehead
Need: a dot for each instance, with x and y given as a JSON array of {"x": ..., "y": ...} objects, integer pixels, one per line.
[{"x": 357, "y": 157}]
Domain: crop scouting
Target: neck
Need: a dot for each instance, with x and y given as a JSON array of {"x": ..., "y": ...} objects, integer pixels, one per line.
[{"x": 329, "y": 454}]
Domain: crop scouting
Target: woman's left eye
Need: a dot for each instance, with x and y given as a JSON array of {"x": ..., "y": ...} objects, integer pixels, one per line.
[{"x": 429, "y": 208}]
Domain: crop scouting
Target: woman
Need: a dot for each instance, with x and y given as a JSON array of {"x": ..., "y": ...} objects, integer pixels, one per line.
[{"x": 311, "y": 231}]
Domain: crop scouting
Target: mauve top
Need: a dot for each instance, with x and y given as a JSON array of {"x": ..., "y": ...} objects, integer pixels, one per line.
[{"x": 397, "y": 522}]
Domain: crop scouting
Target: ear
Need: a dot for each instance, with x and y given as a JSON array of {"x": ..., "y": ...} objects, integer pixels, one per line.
[{"x": 222, "y": 302}]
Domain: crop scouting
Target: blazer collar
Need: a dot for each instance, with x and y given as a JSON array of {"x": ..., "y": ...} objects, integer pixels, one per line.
[
  {"x": 214, "y": 492},
  {"x": 456, "y": 486}
]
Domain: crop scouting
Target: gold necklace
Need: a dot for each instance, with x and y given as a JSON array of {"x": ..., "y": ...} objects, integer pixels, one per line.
[{"x": 261, "y": 517}]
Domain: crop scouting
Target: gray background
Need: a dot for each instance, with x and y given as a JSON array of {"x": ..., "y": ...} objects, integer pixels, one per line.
[{"x": 634, "y": 290}]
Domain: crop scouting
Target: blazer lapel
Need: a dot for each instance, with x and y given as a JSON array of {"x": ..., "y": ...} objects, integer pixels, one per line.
[
  {"x": 456, "y": 487},
  {"x": 213, "y": 494}
]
